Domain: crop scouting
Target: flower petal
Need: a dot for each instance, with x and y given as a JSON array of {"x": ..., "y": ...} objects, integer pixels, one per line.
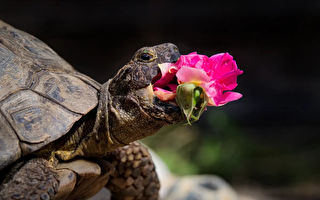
[
  {"x": 192, "y": 60},
  {"x": 227, "y": 97},
  {"x": 188, "y": 74},
  {"x": 229, "y": 81},
  {"x": 211, "y": 92},
  {"x": 164, "y": 95},
  {"x": 224, "y": 70},
  {"x": 216, "y": 95},
  {"x": 172, "y": 87},
  {"x": 222, "y": 63},
  {"x": 168, "y": 71}
]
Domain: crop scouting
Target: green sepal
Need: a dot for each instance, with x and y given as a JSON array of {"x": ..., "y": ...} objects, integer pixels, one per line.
[{"x": 192, "y": 100}]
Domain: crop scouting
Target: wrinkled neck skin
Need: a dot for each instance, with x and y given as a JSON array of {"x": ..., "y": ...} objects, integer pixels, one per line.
[
  {"x": 127, "y": 111},
  {"x": 128, "y": 119},
  {"x": 133, "y": 111},
  {"x": 120, "y": 120}
]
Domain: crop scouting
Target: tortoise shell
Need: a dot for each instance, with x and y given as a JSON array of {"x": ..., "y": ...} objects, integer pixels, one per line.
[{"x": 41, "y": 95}]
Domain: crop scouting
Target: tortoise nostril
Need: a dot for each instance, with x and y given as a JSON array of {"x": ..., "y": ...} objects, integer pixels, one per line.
[
  {"x": 174, "y": 51},
  {"x": 174, "y": 57}
]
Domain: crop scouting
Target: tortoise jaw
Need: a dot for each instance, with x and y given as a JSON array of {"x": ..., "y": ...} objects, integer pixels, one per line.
[
  {"x": 165, "y": 108},
  {"x": 168, "y": 111},
  {"x": 165, "y": 102}
]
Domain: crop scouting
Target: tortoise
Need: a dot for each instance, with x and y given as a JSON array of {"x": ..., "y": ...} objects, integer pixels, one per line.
[{"x": 64, "y": 135}]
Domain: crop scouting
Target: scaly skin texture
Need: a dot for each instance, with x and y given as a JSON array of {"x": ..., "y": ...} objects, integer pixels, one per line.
[
  {"x": 135, "y": 176},
  {"x": 128, "y": 172},
  {"x": 127, "y": 111},
  {"x": 36, "y": 179}
]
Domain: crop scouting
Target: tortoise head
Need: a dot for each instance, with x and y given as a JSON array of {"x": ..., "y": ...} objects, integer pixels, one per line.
[{"x": 136, "y": 112}]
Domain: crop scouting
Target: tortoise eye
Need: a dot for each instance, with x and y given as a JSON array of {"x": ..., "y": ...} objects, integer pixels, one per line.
[{"x": 146, "y": 57}]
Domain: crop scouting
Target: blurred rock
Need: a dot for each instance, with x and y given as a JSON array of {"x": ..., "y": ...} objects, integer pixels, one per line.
[
  {"x": 202, "y": 187},
  {"x": 167, "y": 179},
  {"x": 196, "y": 187}
]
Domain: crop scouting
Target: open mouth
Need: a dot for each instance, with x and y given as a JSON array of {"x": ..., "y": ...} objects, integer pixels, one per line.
[{"x": 165, "y": 83}]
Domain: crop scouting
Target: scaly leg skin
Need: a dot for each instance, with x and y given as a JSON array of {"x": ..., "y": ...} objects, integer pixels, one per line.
[
  {"x": 135, "y": 177},
  {"x": 33, "y": 180},
  {"x": 128, "y": 171},
  {"x": 81, "y": 179}
]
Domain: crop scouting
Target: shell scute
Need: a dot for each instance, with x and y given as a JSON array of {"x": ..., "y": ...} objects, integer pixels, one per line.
[
  {"x": 36, "y": 119},
  {"x": 41, "y": 95}
]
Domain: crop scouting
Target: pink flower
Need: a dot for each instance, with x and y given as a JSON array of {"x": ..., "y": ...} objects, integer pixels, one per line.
[
  {"x": 163, "y": 88},
  {"x": 217, "y": 75}
]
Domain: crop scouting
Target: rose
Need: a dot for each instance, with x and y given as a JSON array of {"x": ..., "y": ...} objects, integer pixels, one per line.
[{"x": 213, "y": 76}]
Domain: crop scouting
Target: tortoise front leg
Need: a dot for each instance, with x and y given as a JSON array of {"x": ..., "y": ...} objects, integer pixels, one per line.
[
  {"x": 81, "y": 179},
  {"x": 135, "y": 177},
  {"x": 37, "y": 179},
  {"x": 33, "y": 180},
  {"x": 127, "y": 172}
]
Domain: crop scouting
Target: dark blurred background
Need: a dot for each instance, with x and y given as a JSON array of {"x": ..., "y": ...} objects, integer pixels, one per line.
[{"x": 270, "y": 138}]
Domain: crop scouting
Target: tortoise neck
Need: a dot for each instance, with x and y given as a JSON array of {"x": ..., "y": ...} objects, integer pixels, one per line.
[
  {"x": 98, "y": 142},
  {"x": 128, "y": 120},
  {"x": 102, "y": 125}
]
